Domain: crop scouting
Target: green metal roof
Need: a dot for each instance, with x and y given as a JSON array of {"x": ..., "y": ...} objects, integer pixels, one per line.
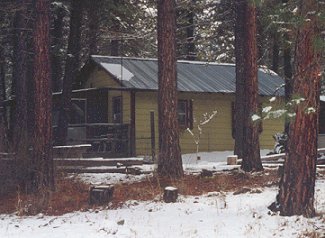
[{"x": 192, "y": 76}]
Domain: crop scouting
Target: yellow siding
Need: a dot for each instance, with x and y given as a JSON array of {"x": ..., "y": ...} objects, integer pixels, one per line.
[
  {"x": 144, "y": 103},
  {"x": 216, "y": 135},
  {"x": 100, "y": 78},
  {"x": 271, "y": 126}
]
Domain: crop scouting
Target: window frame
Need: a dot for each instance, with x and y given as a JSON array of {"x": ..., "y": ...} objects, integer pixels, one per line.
[{"x": 188, "y": 113}]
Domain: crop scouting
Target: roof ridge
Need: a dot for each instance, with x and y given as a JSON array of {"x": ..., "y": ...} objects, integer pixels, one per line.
[{"x": 155, "y": 59}]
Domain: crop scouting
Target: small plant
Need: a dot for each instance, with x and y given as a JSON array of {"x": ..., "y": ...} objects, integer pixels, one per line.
[{"x": 196, "y": 136}]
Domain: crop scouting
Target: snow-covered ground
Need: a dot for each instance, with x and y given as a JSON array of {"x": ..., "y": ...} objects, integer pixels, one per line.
[
  {"x": 211, "y": 215},
  {"x": 216, "y": 161}
]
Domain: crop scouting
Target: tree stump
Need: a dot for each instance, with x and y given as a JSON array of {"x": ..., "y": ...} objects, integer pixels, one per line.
[
  {"x": 232, "y": 160},
  {"x": 170, "y": 194},
  {"x": 99, "y": 195}
]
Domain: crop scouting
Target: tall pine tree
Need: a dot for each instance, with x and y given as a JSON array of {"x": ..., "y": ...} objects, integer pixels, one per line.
[
  {"x": 297, "y": 185},
  {"x": 246, "y": 102},
  {"x": 169, "y": 158}
]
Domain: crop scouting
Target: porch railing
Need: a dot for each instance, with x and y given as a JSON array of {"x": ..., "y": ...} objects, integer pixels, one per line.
[{"x": 107, "y": 139}]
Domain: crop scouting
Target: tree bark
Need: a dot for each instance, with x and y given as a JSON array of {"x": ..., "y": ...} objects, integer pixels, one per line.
[
  {"x": 71, "y": 69},
  {"x": 57, "y": 38},
  {"x": 169, "y": 158},
  {"x": 20, "y": 116},
  {"x": 94, "y": 25},
  {"x": 275, "y": 52},
  {"x": 42, "y": 140},
  {"x": 297, "y": 185},
  {"x": 190, "y": 46},
  {"x": 3, "y": 121},
  {"x": 287, "y": 76},
  {"x": 246, "y": 102},
  {"x": 20, "y": 84}
]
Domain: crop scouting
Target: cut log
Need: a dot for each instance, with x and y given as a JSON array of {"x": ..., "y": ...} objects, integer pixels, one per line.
[
  {"x": 232, "y": 160},
  {"x": 170, "y": 194},
  {"x": 100, "y": 195}
]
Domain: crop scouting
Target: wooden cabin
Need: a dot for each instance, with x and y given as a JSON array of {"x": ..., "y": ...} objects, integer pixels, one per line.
[{"x": 116, "y": 108}]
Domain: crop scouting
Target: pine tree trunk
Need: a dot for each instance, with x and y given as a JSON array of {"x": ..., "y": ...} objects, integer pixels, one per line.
[
  {"x": 42, "y": 140},
  {"x": 71, "y": 69},
  {"x": 275, "y": 52},
  {"x": 297, "y": 185},
  {"x": 190, "y": 46},
  {"x": 169, "y": 158},
  {"x": 287, "y": 76},
  {"x": 3, "y": 121},
  {"x": 57, "y": 39},
  {"x": 240, "y": 80},
  {"x": 20, "y": 141},
  {"x": 94, "y": 24},
  {"x": 246, "y": 103},
  {"x": 20, "y": 134}
]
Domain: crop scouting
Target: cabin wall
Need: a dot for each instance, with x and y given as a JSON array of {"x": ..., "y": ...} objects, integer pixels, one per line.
[{"x": 216, "y": 135}]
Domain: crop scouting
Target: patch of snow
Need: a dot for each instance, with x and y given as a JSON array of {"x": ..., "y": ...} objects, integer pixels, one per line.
[
  {"x": 267, "y": 109},
  {"x": 310, "y": 110},
  {"x": 322, "y": 98},
  {"x": 170, "y": 188},
  {"x": 71, "y": 146},
  {"x": 256, "y": 117},
  {"x": 119, "y": 71},
  {"x": 275, "y": 114},
  {"x": 110, "y": 178}
]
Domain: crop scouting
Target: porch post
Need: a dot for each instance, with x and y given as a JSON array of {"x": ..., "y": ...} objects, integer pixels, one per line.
[
  {"x": 132, "y": 125},
  {"x": 153, "y": 135}
]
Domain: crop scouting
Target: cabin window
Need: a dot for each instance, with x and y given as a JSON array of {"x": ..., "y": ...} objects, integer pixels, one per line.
[
  {"x": 117, "y": 109},
  {"x": 185, "y": 114},
  {"x": 78, "y": 111}
]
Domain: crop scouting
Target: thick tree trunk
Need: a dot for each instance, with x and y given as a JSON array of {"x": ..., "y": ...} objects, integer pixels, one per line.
[
  {"x": 42, "y": 140},
  {"x": 246, "y": 131},
  {"x": 240, "y": 81},
  {"x": 71, "y": 69},
  {"x": 275, "y": 52},
  {"x": 94, "y": 25},
  {"x": 20, "y": 134},
  {"x": 56, "y": 58},
  {"x": 20, "y": 141},
  {"x": 297, "y": 186},
  {"x": 169, "y": 158},
  {"x": 287, "y": 76},
  {"x": 190, "y": 46},
  {"x": 3, "y": 121}
]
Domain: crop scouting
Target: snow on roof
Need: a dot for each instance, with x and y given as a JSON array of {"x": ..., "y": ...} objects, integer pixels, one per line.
[{"x": 118, "y": 71}]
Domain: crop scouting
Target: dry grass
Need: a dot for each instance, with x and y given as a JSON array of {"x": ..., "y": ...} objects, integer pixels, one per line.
[
  {"x": 72, "y": 195},
  {"x": 191, "y": 185}
]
